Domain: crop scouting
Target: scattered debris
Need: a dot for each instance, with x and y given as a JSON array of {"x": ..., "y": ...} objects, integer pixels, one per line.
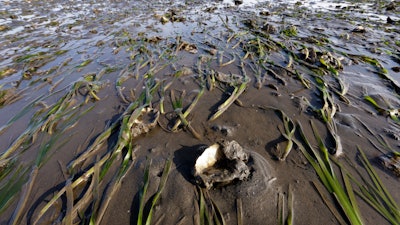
[
  {"x": 391, "y": 162},
  {"x": 359, "y": 29},
  {"x": 145, "y": 122},
  {"x": 224, "y": 130},
  {"x": 238, "y": 2},
  {"x": 191, "y": 48},
  {"x": 269, "y": 29}
]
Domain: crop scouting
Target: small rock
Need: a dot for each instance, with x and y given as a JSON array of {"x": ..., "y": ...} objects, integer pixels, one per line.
[
  {"x": 359, "y": 29},
  {"x": 164, "y": 19},
  {"x": 269, "y": 29},
  {"x": 390, "y": 20},
  {"x": 391, "y": 162},
  {"x": 391, "y": 6},
  {"x": 238, "y": 2},
  {"x": 251, "y": 23},
  {"x": 396, "y": 69},
  {"x": 265, "y": 13},
  {"x": 224, "y": 130}
]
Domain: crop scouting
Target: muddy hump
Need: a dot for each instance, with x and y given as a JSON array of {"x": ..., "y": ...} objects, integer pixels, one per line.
[{"x": 257, "y": 193}]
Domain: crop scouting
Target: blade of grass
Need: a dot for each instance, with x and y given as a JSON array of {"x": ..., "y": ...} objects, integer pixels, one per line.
[
  {"x": 70, "y": 203},
  {"x": 239, "y": 211},
  {"x": 377, "y": 194},
  {"x": 325, "y": 172},
  {"x": 290, "y": 129},
  {"x": 163, "y": 181},
  {"x": 80, "y": 180},
  {"x": 116, "y": 184},
  {"x": 329, "y": 203},
  {"x": 289, "y": 220},
  {"x": 10, "y": 189},
  {"x": 143, "y": 192},
  {"x": 16, "y": 217},
  {"x": 281, "y": 209},
  {"x": 238, "y": 90},
  {"x": 189, "y": 109}
]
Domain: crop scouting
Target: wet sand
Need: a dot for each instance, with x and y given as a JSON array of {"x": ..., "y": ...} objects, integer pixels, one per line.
[{"x": 97, "y": 58}]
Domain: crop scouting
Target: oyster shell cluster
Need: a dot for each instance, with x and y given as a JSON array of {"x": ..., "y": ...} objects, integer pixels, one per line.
[{"x": 221, "y": 164}]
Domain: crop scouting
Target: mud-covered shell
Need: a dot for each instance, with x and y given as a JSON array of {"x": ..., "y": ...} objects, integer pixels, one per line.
[
  {"x": 221, "y": 164},
  {"x": 147, "y": 120},
  {"x": 391, "y": 162}
]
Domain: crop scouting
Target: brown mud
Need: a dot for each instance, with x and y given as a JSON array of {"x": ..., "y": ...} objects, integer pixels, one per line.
[{"x": 69, "y": 72}]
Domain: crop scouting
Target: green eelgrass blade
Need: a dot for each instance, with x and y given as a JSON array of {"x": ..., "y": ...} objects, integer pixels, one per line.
[
  {"x": 325, "y": 172},
  {"x": 238, "y": 90},
  {"x": 289, "y": 220},
  {"x": 374, "y": 104},
  {"x": 218, "y": 216},
  {"x": 161, "y": 186},
  {"x": 177, "y": 102},
  {"x": 205, "y": 214},
  {"x": 281, "y": 209},
  {"x": 23, "y": 112},
  {"x": 327, "y": 167},
  {"x": 24, "y": 197},
  {"x": 329, "y": 203},
  {"x": 116, "y": 185},
  {"x": 316, "y": 162},
  {"x": 82, "y": 179},
  {"x": 375, "y": 193},
  {"x": 290, "y": 129},
  {"x": 350, "y": 193},
  {"x": 209, "y": 212},
  {"x": 377, "y": 182},
  {"x": 189, "y": 109},
  {"x": 202, "y": 207},
  {"x": 143, "y": 192},
  {"x": 46, "y": 147},
  {"x": 70, "y": 203},
  {"x": 12, "y": 187}
]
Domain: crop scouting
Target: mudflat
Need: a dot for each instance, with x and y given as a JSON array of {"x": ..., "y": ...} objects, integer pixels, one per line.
[{"x": 106, "y": 105}]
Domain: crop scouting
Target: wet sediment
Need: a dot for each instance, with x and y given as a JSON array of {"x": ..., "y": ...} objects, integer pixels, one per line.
[{"x": 90, "y": 92}]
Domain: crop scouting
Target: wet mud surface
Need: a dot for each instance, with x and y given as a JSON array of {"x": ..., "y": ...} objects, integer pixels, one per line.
[{"x": 92, "y": 91}]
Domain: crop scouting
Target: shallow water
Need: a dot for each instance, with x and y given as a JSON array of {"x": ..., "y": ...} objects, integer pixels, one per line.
[{"x": 115, "y": 48}]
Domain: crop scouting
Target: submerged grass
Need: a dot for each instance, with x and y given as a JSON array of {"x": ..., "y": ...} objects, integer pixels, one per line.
[{"x": 17, "y": 177}]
